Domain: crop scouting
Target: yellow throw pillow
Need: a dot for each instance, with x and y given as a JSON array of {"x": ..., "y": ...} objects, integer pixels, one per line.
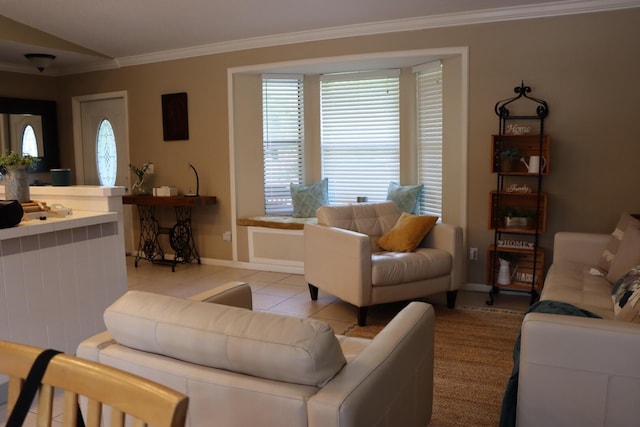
[{"x": 407, "y": 233}]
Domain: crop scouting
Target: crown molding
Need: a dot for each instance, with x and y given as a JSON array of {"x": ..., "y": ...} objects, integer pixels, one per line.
[{"x": 543, "y": 10}]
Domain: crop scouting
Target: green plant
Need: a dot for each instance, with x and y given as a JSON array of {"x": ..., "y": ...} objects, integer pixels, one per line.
[
  {"x": 510, "y": 153},
  {"x": 514, "y": 212},
  {"x": 139, "y": 172},
  {"x": 15, "y": 159}
]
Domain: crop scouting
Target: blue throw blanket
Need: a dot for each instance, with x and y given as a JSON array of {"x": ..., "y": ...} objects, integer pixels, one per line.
[{"x": 510, "y": 400}]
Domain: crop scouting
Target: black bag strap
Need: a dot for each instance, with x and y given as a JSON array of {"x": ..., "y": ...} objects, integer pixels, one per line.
[{"x": 31, "y": 385}]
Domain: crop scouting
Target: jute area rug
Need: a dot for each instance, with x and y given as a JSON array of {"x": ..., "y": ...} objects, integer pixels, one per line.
[{"x": 472, "y": 364}]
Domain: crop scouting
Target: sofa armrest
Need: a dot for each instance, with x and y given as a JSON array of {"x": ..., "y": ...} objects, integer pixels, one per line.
[
  {"x": 583, "y": 248},
  {"x": 339, "y": 261},
  {"x": 235, "y": 294},
  {"x": 90, "y": 348},
  {"x": 448, "y": 237},
  {"x": 578, "y": 371},
  {"x": 392, "y": 375}
]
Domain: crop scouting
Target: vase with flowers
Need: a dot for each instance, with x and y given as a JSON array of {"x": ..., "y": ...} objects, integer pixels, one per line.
[
  {"x": 139, "y": 186},
  {"x": 15, "y": 168}
]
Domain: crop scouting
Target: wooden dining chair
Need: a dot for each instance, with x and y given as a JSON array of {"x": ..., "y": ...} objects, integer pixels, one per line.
[{"x": 122, "y": 394}]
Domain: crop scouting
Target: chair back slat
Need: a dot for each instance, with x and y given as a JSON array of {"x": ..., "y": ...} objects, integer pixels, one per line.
[
  {"x": 117, "y": 418},
  {"x": 45, "y": 403},
  {"x": 146, "y": 402},
  {"x": 93, "y": 414}
]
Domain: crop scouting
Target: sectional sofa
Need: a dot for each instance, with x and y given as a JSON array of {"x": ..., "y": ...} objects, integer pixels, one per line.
[{"x": 584, "y": 371}]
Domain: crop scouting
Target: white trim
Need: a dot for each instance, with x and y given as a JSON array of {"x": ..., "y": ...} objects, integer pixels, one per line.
[
  {"x": 463, "y": 51},
  {"x": 464, "y": 120},
  {"x": 481, "y": 287},
  {"x": 282, "y": 76},
  {"x": 427, "y": 66},
  {"x": 232, "y": 166},
  {"x": 378, "y": 74},
  {"x": 284, "y": 263}
]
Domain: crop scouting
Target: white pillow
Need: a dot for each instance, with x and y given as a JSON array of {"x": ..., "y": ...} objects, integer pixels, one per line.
[
  {"x": 267, "y": 345},
  {"x": 628, "y": 254}
]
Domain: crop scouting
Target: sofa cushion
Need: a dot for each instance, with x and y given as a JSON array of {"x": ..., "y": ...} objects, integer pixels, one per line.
[
  {"x": 308, "y": 198},
  {"x": 407, "y": 233},
  {"x": 389, "y": 268},
  {"x": 614, "y": 242},
  {"x": 625, "y": 294},
  {"x": 570, "y": 282},
  {"x": 266, "y": 345},
  {"x": 407, "y": 197},
  {"x": 372, "y": 219}
]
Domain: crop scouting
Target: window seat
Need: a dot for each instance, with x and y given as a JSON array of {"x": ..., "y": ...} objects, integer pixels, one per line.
[{"x": 279, "y": 222}]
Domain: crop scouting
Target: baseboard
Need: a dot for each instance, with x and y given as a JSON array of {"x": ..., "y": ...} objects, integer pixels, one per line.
[
  {"x": 475, "y": 287},
  {"x": 481, "y": 287}
]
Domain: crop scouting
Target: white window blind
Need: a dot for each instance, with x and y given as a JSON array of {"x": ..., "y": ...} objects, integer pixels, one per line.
[
  {"x": 429, "y": 136},
  {"x": 283, "y": 132},
  {"x": 360, "y": 134}
]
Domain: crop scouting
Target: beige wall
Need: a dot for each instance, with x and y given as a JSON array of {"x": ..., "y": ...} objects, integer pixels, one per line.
[{"x": 585, "y": 66}]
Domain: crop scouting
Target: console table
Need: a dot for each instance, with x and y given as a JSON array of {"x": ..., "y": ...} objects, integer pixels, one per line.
[{"x": 180, "y": 235}]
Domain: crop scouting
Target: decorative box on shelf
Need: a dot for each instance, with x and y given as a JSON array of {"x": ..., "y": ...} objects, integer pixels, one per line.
[{"x": 165, "y": 191}]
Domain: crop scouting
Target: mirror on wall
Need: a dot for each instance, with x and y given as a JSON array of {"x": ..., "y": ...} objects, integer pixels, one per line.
[{"x": 30, "y": 126}]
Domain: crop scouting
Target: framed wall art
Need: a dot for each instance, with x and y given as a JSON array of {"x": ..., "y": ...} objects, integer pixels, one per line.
[{"x": 175, "y": 117}]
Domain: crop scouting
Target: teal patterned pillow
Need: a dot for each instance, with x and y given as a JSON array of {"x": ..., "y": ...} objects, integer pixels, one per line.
[
  {"x": 307, "y": 198},
  {"x": 625, "y": 294},
  {"x": 407, "y": 197}
]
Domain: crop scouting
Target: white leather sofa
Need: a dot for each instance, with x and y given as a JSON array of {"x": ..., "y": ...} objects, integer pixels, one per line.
[
  {"x": 578, "y": 371},
  {"x": 342, "y": 258},
  {"x": 244, "y": 368}
]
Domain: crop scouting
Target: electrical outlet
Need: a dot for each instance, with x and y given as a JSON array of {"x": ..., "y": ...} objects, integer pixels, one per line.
[
  {"x": 226, "y": 236},
  {"x": 473, "y": 254},
  {"x": 149, "y": 168}
]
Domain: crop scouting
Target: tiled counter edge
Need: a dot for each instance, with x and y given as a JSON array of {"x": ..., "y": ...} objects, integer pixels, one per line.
[{"x": 58, "y": 275}]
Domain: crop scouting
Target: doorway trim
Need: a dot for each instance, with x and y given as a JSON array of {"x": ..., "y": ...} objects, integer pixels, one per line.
[
  {"x": 76, "y": 102},
  {"x": 461, "y": 129}
]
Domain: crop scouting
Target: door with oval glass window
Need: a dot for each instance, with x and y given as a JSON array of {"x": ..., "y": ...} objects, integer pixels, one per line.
[{"x": 104, "y": 150}]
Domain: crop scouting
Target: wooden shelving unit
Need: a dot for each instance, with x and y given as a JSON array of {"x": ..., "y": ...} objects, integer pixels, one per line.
[
  {"x": 518, "y": 206},
  {"x": 533, "y": 203},
  {"x": 528, "y": 145},
  {"x": 522, "y": 278}
]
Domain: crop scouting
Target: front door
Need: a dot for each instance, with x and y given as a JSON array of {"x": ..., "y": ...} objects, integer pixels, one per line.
[{"x": 102, "y": 145}]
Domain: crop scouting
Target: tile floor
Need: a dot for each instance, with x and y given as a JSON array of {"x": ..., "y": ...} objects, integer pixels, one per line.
[{"x": 272, "y": 292}]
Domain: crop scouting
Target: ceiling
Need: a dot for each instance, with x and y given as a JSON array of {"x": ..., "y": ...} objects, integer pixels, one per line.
[{"x": 91, "y": 35}]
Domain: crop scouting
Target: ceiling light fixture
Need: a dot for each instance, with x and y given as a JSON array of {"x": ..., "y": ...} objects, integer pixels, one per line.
[{"x": 40, "y": 60}]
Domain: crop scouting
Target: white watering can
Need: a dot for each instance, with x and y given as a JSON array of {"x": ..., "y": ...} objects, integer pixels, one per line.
[
  {"x": 504, "y": 275},
  {"x": 534, "y": 165}
]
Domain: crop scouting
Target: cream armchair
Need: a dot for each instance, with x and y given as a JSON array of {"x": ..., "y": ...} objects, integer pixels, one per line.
[{"x": 341, "y": 257}]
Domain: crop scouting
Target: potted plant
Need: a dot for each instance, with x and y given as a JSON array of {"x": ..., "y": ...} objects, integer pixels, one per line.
[
  {"x": 138, "y": 187},
  {"x": 509, "y": 155},
  {"x": 14, "y": 167},
  {"x": 517, "y": 217}
]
